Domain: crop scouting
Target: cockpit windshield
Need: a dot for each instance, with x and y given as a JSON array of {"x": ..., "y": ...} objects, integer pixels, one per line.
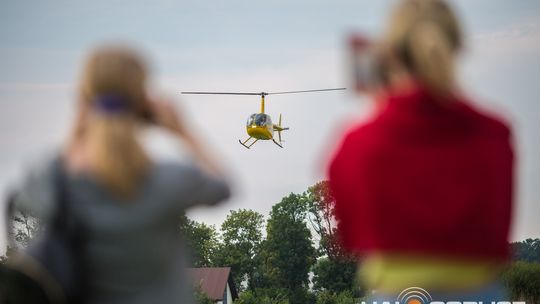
[
  {"x": 259, "y": 120},
  {"x": 251, "y": 119}
]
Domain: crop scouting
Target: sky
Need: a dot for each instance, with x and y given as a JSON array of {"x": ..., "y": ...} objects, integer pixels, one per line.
[{"x": 253, "y": 46}]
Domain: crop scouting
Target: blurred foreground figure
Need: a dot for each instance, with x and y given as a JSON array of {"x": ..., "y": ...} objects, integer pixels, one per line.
[
  {"x": 128, "y": 205},
  {"x": 424, "y": 189}
]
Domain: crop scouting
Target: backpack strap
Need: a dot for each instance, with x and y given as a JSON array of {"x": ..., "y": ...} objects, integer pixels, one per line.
[{"x": 61, "y": 215}]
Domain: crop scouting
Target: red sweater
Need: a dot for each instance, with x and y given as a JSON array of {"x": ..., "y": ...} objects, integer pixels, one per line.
[{"x": 425, "y": 177}]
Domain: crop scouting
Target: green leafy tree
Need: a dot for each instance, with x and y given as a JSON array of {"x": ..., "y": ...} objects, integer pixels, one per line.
[
  {"x": 321, "y": 216},
  {"x": 335, "y": 276},
  {"x": 201, "y": 297},
  {"x": 527, "y": 250},
  {"x": 202, "y": 239},
  {"x": 336, "y": 270},
  {"x": 241, "y": 239},
  {"x": 288, "y": 249},
  {"x": 264, "y": 296},
  {"x": 522, "y": 280},
  {"x": 329, "y": 297}
]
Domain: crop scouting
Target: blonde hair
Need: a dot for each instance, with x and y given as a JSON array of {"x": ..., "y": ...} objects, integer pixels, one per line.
[
  {"x": 425, "y": 37},
  {"x": 117, "y": 158}
]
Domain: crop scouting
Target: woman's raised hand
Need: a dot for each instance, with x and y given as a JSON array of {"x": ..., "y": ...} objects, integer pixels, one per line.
[{"x": 167, "y": 115}]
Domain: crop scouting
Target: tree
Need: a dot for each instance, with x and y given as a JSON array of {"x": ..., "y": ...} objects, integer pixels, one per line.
[
  {"x": 336, "y": 270},
  {"x": 321, "y": 216},
  {"x": 527, "y": 250},
  {"x": 201, "y": 297},
  {"x": 288, "y": 250},
  {"x": 335, "y": 276},
  {"x": 202, "y": 239},
  {"x": 345, "y": 297},
  {"x": 25, "y": 227},
  {"x": 522, "y": 280},
  {"x": 264, "y": 296},
  {"x": 241, "y": 239}
]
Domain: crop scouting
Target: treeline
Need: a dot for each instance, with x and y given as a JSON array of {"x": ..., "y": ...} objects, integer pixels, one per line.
[
  {"x": 522, "y": 278},
  {"x": 526, "y": 251},
  {"x": 294, "y": 256},
  {"x": 272, "y": 261},
  {"x": 301, "y": 240}
]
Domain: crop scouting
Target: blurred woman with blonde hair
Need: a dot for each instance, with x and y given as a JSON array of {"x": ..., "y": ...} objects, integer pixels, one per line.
[
  {"x": 424, "y": 189},
  {"x": 128, "y": 204}
]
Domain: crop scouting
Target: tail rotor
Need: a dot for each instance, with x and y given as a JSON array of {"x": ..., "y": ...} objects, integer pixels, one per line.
[
  {"x": 279, "y": 128},
  {"x": 279, "y": 131}
]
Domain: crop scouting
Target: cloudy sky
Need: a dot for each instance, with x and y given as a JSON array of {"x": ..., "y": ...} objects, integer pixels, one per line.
[{"x": 253, "y": 46}]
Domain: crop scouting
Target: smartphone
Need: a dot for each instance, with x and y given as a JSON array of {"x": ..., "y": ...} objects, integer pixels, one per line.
[{"x": 365, "y": 64}]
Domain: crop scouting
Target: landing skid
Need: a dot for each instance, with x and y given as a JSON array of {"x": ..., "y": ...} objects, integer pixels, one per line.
[
  {"x": 279, "y": 145},
  {"x": 248, "y": 145},
  {"x": 246, "y": 141}
]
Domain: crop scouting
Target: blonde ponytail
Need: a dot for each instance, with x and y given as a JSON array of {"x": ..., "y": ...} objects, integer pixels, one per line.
[
  {"x": 118, "y": 160},
  {"x": 116, "y": 157},
  {"x": 432, "y": 58},
  {"x": 425, "y": 37}
]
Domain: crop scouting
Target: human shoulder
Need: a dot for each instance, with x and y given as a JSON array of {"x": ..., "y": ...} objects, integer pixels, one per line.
[
  {"x": 369, "y": 135},
  {"x": 190, "y": 183},
  {"x": 490, "y": 122},
  {"x": 175, "y": 169},
  {"x": 363, "y": 130},
  {"x": 171, "y": 174}
]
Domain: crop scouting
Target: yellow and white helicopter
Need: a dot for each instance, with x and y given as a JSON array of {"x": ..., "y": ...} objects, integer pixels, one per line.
[{"x": 259, "y": 125}]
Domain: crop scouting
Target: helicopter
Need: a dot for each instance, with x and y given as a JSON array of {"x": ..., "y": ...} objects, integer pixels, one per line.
[{"x": 259, "y": 126}]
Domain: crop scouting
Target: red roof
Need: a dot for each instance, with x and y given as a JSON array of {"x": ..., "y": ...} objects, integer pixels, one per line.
[{"x": 213, "y": 281}]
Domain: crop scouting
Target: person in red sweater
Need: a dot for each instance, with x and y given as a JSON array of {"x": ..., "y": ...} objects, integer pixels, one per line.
[{"x": 424, "y": 189}]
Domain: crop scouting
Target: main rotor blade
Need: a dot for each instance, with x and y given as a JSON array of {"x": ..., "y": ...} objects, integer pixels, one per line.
[
  {"x": 307, "y": 91},
  {"x": 261, "y": 93},
  {"x": 222, "y": 93}
]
